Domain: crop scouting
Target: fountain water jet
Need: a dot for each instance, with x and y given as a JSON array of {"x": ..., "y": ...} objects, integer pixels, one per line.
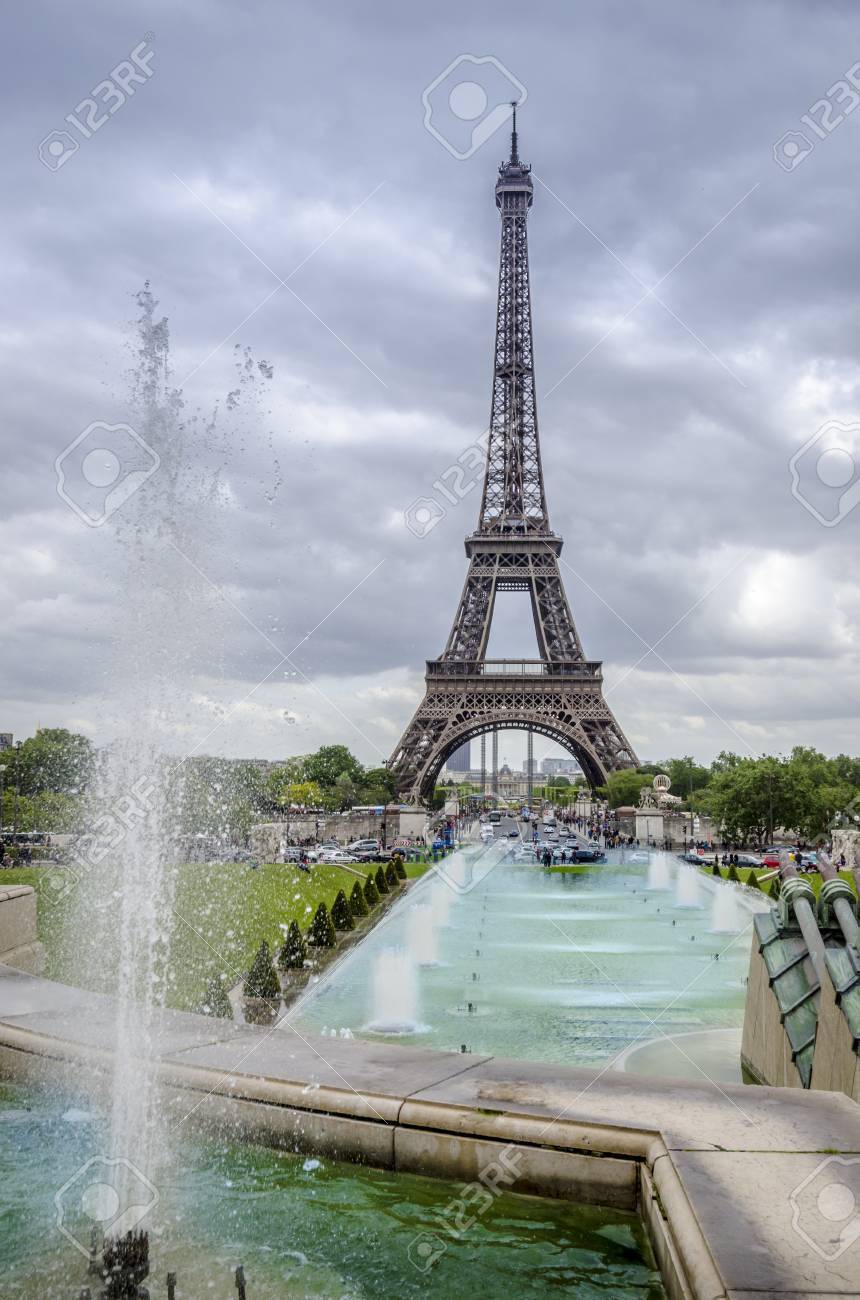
[
  {"x": 659, "y": 872},
  {"x": 725, "y": 917},
  {"x": 167, "y": 625},
  {"x": 687, "y": 893},
  {"x": 440, "y": 903},
  {"x": 421, "y": 935},
  {"x": 395, "y": 993}
]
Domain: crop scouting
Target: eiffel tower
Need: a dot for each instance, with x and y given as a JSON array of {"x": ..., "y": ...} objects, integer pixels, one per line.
[{"x": 560, "y": 694}]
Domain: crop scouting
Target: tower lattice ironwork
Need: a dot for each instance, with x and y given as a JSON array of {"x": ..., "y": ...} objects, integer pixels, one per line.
[{"x": 559, "y": 694}]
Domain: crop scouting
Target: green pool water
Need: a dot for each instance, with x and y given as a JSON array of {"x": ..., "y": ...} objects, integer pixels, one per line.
[
  {"x": 587, "y": 967},
  {"x": 301, "y": 1228}
]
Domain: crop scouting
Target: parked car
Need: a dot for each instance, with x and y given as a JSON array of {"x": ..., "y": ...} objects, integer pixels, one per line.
[
  {"x": 408, "y": 852},
  {"x": 748, "y": 860},
  {"x": 807, "y": 860},
  {"x": 770, "y": 857},
  {"x": 363, "y": 846},
  {"x": 336, "y": 857},
  {"x": 587, "y": 855}
]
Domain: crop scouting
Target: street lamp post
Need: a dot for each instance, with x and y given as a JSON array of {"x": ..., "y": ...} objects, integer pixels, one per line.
[
  {"x": 2, "y": 792},
  {"x": 17, "y": 792},
  {"x": 770, "y": 808}
]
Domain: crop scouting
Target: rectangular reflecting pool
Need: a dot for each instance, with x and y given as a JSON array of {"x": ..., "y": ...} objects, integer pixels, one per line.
[
  {"x": 642, "y": 964},
  {"x": 301, "y": 1227}
]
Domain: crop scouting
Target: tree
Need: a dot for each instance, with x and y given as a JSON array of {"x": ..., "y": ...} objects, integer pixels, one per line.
[
  {"x": 357, "y": 901},
  {"x": 392, "y": 879},
  {"x": 752, "y": 797},
  {"x": 346, "y": 792},
  {"x": 371, "y": 893},
  {"x": 216, "y": 1001},
  {"x": 262, "y": 979},
  {"x": 377, "y": 786},
  {"x": 321, "y": 932},
  {"x": 381, "y": 882},
  {"x": 59, "y": 814},
  {"x": 54, "y": 760},
  {"x": 623, "y": 788},
  {"x": 686, "y": 775},
  {"x": 340, "y": 913},
  {"x": 216, "y": 797},
  {"x": 397, "y": 863},
  {"x": 293, "y": 952},
  {"x": 330, "y": 762},
  {"x": 26, "y": 812}
]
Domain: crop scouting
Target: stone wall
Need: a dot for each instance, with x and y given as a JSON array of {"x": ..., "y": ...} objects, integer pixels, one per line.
[
  {"x": 268, "y": 838},
  {"x": 847, "y": 842},
  {"x": 19, "y": 937}
]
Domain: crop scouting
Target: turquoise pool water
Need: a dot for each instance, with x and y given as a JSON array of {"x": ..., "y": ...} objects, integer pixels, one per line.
[
  {"x": 576, "y": 967},
  {"x": 301, "y": 1228}
]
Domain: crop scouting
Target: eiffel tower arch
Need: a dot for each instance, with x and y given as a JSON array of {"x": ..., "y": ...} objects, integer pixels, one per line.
[{"x": 560, "y": 693}]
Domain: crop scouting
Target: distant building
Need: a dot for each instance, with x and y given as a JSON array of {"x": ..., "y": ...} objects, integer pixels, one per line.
[
  {"x": 6, "y": 740},
  {"x": 560, "y": 767},
  {"x": 460, "y": 760}
]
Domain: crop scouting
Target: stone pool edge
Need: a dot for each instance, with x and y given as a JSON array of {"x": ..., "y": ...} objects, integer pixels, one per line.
[{"x": 625, "y": 1143}]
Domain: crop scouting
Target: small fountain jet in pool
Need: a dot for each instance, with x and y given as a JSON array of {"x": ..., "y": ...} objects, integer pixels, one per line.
[{"x": 123, "y": 1264}]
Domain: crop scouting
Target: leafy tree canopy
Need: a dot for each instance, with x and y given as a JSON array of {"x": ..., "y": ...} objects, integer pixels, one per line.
[{"x": 54, "y": 760}]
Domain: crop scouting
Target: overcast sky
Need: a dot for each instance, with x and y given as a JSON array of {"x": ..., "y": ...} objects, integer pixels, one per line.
[{"x": 271, "y": 142}]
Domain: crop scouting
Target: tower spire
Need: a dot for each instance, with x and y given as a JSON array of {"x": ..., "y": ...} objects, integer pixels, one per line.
[{"x": 515, "y": 157}]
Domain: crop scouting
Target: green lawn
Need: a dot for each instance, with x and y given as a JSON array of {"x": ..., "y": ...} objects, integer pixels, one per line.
[
  {"x": 221, "y": 915},
  {"x": 813, "y": 877},
  {"x": 415, "y": 870}
]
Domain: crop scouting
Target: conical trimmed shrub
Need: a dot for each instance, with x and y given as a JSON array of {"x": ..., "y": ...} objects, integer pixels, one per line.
[
  {"x": 216, "y": 1001},
  {"x": 397, "y": 862},
  {"x": 392, "y": 879},
  {"x": 371, "y": 893},
  {"x": 262, "y": 979},
  {"x": 715, "y": 869},
  {"x": 733, "y": 874},
  {"x": 752, "y": 879},
  {"x": 322, "y": 932},
  {"x": 773, "y": 888},
  {"x": 357, "y": 901},
  {"x": 340, "y": 914},
  {"x": 293, "y": 953},
  {"x": 381, "y": 882}
]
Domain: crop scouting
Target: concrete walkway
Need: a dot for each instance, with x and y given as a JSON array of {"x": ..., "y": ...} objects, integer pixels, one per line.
[{"x": 746, "y": 1192}]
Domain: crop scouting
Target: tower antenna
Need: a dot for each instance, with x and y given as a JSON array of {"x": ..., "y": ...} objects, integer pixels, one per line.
[{"x": 515, "y": 157}]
